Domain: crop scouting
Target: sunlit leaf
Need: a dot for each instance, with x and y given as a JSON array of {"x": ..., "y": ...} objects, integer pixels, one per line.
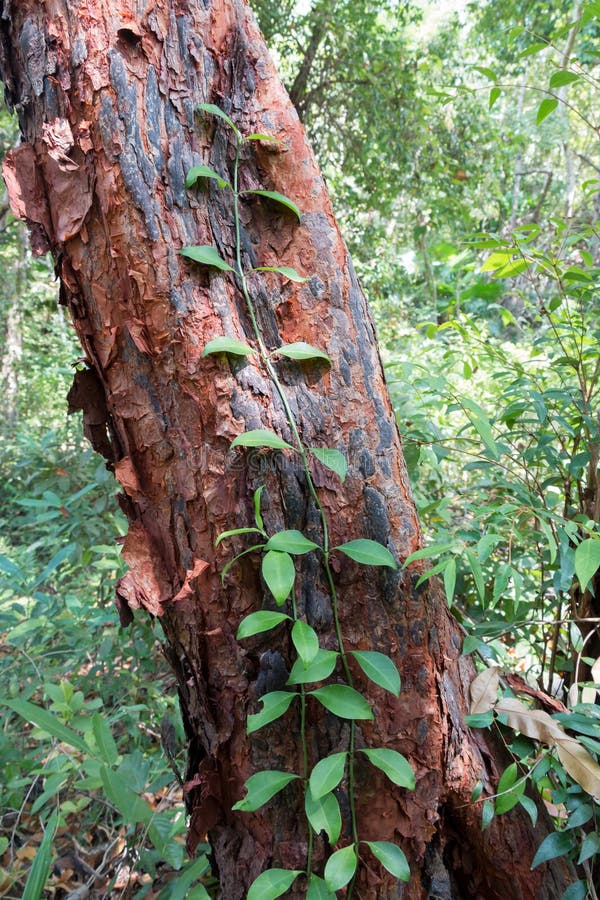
[
  {"x": 320, "y": 668},
  {"x": 279, "y": 574},
  {"x": 235, "y": 531},
  {"x": 259, "y": 437},
  {"x": 258, "y": 622},
  {"x": 367, "y": 552},
  {"x": 291, "y": 541},
  {"x": 215, "y": 111},
  {"x": 301, "y": 351},
  {"x": 286, "y": 271},
  {"x": 306, "y": 641},
  {"x": 563, "y": 77},
  {"x": 198, "y": 172},
  {"x": 278, "y": 198},
  {"x": 340, "y": 867},
  {"x": 327, "y": 774},
  {"x": 546, "y": 107},
  {"x": 332, "y": 459},
  {"x": 343, "y": 701},
  {"x": 227, "y": 345}
]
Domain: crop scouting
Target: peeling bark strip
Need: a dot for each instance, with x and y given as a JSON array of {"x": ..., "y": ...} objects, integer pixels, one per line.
[{"x": 106, "y": 92}]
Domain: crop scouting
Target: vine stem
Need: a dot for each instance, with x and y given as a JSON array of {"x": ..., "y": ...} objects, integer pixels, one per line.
[{"x": 266, "y": 359}]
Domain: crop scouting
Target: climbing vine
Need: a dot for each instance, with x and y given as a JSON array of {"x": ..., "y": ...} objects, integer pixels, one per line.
[{"x": 313, "y": 665}]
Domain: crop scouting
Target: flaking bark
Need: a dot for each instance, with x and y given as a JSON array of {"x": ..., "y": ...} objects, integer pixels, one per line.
[{"x": 106, "y": 92}]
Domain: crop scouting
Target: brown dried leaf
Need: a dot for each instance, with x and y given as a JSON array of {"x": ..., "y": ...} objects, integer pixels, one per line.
[
  {"x": 484, "y": 689},
  {"x": 580, "y": 765}
]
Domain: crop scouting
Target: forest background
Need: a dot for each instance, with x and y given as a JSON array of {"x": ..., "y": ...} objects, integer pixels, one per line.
[{"x": 460, "y": 146}]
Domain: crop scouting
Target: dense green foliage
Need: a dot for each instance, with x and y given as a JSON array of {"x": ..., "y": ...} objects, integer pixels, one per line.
[{"x": 463, "y": 160}]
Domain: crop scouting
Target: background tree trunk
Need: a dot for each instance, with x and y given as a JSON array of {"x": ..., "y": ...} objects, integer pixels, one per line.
[{"x": 106, "y": 92}]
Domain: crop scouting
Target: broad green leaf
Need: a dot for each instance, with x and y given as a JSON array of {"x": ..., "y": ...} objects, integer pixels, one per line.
[
  {"x": 260, "y": 437},
  {"x": 391, "y": 858},
  {"x": 40, "y": 867},
  {"x": 279, "y": 574},
  {"x": 324, "y": 815},
  {"x": 589, "y": 848},
  {"x": 215, "y": 111},
  {"x": 258, "y": 622},
  {"x": 546, "y": 107},
  {"x": 320, "y": 668},
  {"x": 512, "y": 269},
  {"x": 227, "y": 345},
  {"x": 497, "y": 260},
  {"x": 48, "y": 722},
  {"x": 257, "y": 136},
  {"x": 286, "y": 271},
  {"x": 272, "y": 883},
  {"x": 306, "y": 641},
  {"x": 198, "y": 172},
  {"x": 380, "y": 669},
  {"x": 587, "y": 561},
  {"x": 340, "y": 867},
  {"x": 131, "y": 806},
  {"x": 369, "y": 553},
  {"x": 332, "y": 459},
  {"x": 394, "y": 765},
  {"x": 261, "y": 787},
  {"x": 559, "y": 843},
  {"x": 206, "y": 256},
  {"x": 318, "y": 890},
  {"x": 300, "y": 350},
  {"x": 343, "y": 701},
  {"x": 562, "y": 77},
  {"x": 104, "y": 739},
  {"x": 291, "y": 541},
  {"x": 530, "y": 808},
  {"x": 278, "y": 198},
  {"x": 275, "y": 705},
  {"x": 509, "y": 790},
  {"x": 234, "y": 531},
  {"x": 494, "y": 95},
  {"x": 327, "y": 774}
]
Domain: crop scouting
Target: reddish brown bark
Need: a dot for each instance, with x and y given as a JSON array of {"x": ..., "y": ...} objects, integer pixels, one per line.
[{"x": 106, "y": 92}]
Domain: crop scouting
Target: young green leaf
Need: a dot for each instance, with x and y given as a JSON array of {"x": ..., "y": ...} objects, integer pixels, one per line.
[
  {"x": 275, "y": 704},
  {"x": 394, "y": 765},
  {"x": 257, "y": 136},
  {"x": 260, "y": 437},
  {"x": 40, "y": 867},
  {"x": 279, "y": 574},
  {"x": 305, "y": 641},
  {"x": 291, "y": 541},
  {"x": 320, "y": 668},
  {"x": 261, "y": 787},
  {"x": 340, "y": 868},
  {"x": 278, "y": 198},
  {"x": 198, "y": 172},
  {"x": 234, "y": 531},
  {"x": 327, "y": 774},
  {"x": 272, "y": 883},
  {"x": 343, "y": 701},
  {"x": 286, "y": 271},
  {"x": 324, "y": 815},
  {"x": 391, "y": 858},
  {"x": 587, "y": 561},
  {"x": 227, "y": 345},
  {"x": 215, "y": 111},
  {"x": 562, "y": 77},
  {"x": 318, "y": 890},
  {"x": 206, "y": 256},
  {"x": 494, "y": 94},
  {"x": 369, "y": 553},
  {"x": 300, "y": 350},
  {"x": 559, "y": 843},
  {"x": 380, "y": 669},
  {"x": 258, "y": 622},
  {"x": 545, "y": 108},
  {"x": 257, "y": 516},
  {"x": 509, "y": 790},
  {"x": 232, "y": 562},
  {"x": 332, "y": 459}
]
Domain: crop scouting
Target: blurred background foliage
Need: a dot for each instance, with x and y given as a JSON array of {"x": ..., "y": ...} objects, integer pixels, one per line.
[{"x": 460, "y": 145}]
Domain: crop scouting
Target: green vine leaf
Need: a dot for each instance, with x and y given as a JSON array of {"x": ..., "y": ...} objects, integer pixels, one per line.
[
  {"x": 272, "y": 883},
  {"x": 332, "y": 459},
  {"x": 318, "y": 890},
  {"x": 232, "y": 562},
  {"x": 587, "y": 561},
  {"x": 278, "y": 198},
  {"x": 291, "y": 541},
  {"x": 287, "y": 271},
  {"x": 260, "y": 437},
  {"x": 234, "y": 531},
  {"x": 369, "y": 553},
  {"x": 275, "y": 705},
  {"x": 301, "y": 351},
  {"x": 327, "y": 774},
  {"x": 215, "y": 111},
  {"x": 391, "y": 858},
  {"x": 206, "y": 256},
  {"x": 279, "y": 574},
  {"x": 380, "y": 669},
  {"x": 227, "y": 345},
  {"x": 324, "y": 815},
  {"x": 340, "y": 868},
  {"x": 258, "y": 622},
  {"x": 198, "y": 172},
  {"x": 257, "y": 136},
  {"x": 261, "y": 788},
  {"x": 306, "y": 641},
  {"x": 320, "y": 668},
  {"x": 343, "y": 701},
  {"x": 394, "y": 765},
  {"x": 559, "y": 843},
  {"x": 257, "y": 516}
]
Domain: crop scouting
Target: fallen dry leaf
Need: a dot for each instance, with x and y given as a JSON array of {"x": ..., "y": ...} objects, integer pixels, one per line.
[{"x": 484, "y": 689}]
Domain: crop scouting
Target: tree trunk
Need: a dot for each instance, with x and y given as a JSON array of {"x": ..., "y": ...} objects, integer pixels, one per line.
[{"x": 106, "y": 92}]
